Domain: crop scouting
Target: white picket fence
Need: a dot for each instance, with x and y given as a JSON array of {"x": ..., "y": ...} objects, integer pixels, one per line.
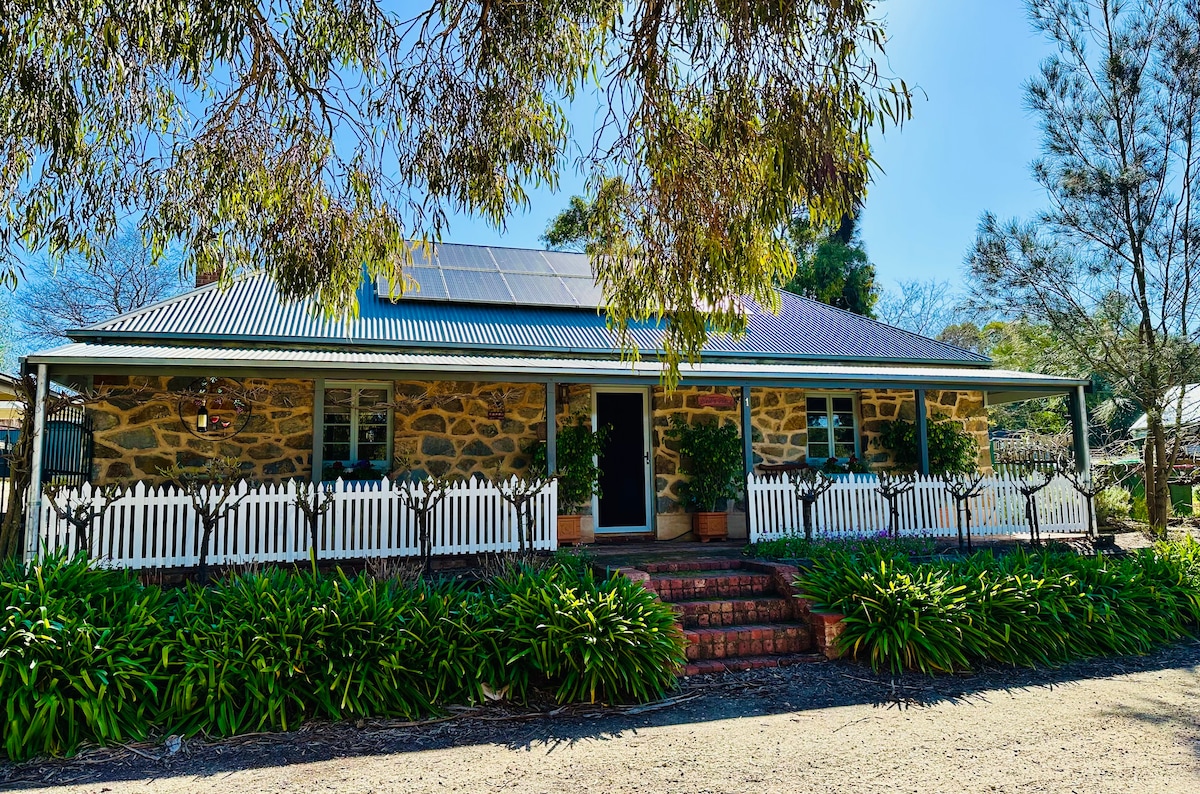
[
  {"x": 157, "y": 527},
  {"x": 853, "y": 505},
  {"x": 4, "y": 495}
]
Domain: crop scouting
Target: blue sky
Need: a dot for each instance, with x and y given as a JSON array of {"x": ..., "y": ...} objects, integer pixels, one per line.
[{"x": 966, "y": 150}]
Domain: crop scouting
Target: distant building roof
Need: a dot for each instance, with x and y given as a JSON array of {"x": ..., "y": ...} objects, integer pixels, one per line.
[
  {"x": 494, "y": 300},
  {"x": 1187, "y": 415}
]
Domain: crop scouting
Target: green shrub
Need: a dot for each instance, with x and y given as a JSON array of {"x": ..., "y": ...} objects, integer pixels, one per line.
[
  {"x": 1019, "y": 609},
  {"x": 711, "y": 459},
  {"x": 794, "y": 547},
  {"x": 1139, "y": 512},
  {"x": 952, "y": 450},
  {"x": 79, "y": 656},
  {"x": 1113, "y": 503},
  {"x": 611, "y": 639},
  {"x": 92, "y": 655}
]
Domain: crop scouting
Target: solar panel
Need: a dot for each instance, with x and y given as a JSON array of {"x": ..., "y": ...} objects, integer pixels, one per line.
[
  {"x": 547, "y": 290},
  {"x": 565, "y": 264},
  {"x": 513, "y": 260},
  {"x": 476, "y": 285},
  {"x": 508, "y": 276}
]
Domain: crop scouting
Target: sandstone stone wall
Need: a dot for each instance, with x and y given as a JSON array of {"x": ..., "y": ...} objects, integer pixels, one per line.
[
  {"x": 879, "y": 406},
  {"x": 135, "y": 439},
  {"x": 451, "y": 430},
  {"x": 779, "y": 424}
]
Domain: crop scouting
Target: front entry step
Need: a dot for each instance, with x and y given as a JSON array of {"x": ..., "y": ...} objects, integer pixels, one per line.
[
  {"x": 735, "y": 614},
  {"x": 736, "y": 611},
  {"x": 728, "y": 642}
]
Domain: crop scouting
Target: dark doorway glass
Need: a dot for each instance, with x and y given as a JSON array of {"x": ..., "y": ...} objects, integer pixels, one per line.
[{"x": 623, "y": 461}]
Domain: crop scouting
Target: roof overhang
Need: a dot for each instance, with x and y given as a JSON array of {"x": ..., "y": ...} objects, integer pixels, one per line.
[{"x": 70, "y": 363}]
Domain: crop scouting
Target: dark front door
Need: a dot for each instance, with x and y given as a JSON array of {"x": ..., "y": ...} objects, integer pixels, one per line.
[{"x": 624, "y": 463}]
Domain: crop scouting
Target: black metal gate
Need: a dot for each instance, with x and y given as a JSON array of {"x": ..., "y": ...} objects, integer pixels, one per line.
[{"x": 67, "y": 450}]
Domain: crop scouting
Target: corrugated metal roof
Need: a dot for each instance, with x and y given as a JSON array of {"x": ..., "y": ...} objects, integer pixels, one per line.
[
  {"x": 251, "y": 310},
  {"x": 98, "y": 356}
]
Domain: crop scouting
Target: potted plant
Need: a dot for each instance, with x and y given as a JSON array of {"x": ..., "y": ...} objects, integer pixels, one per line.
[
  {"x": 712, "y": 460},
  {"x": 578, "y": 447}
]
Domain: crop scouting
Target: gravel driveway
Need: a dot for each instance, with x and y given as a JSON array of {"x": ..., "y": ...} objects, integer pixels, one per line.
[{"x": 1100, "y": 726}]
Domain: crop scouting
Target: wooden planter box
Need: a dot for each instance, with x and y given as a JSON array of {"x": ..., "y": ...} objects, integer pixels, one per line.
[
  {"x": 570, "y": 531},
  {"x": 710, "y": 526}
]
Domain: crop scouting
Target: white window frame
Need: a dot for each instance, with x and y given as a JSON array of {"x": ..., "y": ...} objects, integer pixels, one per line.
[
  {"x": 355, "y": 386},
  {"x": 828, "y": 397}
]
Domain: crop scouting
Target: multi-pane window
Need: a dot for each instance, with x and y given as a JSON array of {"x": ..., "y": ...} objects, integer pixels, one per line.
[
  {"x": 357, "y": 440},
  {"x": 832, "y": 428}
]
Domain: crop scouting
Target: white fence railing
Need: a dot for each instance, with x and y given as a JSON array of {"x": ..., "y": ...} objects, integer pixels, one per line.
[
  {"x": 157, "y": 527},
  {"x": 4, "y": 495},
  {"x": 854, "y": 505}
]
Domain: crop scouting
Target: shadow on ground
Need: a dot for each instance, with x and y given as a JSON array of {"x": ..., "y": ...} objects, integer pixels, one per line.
[{"x": 700, "y": 699}]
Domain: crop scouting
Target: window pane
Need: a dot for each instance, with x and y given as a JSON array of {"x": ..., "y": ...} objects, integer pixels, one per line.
[
  {"x": 373, "y": 452},
  {"x": 843, "y": 420},
  {"x": 372, "y": 417},
  {"x": 372, "y": 434},
  {"x": 369, "y": 398},
  {"x": 337, "y": 452},
  {"x": 843, "y": 450},
  {"x": 843, "y": 404},
  {"x": 818, "y": 404},
  {"x": 337, "y": 397},
  {"x": 818, "y": 420},
  {"x": 843, "y": 435},
  {"x": 820, "y": 451},
  {"x": 337, "y": 433}
]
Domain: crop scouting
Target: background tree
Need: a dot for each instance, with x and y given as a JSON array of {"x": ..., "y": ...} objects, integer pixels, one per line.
[
  {"x": 1109, "y": 266},
  {"x": 313, "y": 137},
  {"x": 833, "y": 267},
  {"x": 923, "y": 307},
  {"x": 78, "y": 292}
]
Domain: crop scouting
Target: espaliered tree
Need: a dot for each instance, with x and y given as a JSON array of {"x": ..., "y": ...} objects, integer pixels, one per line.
[
  {"x": 313, "y": 138},
  {"x": 963, "y": 488},
  {"x": 809, "y": 485},
  {"x": 314, "y": 500},
  {"x": 520, "y": 492},
  {"x": 420, "y": 498},
  {"x": 81, "y": 510},
  {"x": 891, "y": 487},
  {"x": 1088, "y": 485},
  {"x": 1030, "y": 482},
  {"x": 212, "y": 489}
]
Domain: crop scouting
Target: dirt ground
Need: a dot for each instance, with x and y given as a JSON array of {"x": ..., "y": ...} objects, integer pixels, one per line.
[{"x": 1099, "y": 726}]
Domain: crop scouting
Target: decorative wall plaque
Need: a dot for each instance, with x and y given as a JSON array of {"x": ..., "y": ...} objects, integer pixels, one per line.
[
  {"x": 215, "y": 408},
  {"x": 725, "y": 401}
]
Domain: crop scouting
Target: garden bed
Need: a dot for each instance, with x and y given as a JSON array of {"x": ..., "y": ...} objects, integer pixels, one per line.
[{"x": 90, "y": 655}]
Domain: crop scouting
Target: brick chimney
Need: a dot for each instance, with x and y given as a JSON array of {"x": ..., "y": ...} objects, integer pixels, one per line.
[{"x": 203, "y": 279}]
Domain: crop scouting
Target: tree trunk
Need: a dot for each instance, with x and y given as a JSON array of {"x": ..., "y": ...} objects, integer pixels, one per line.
[
  {"x": 12, "y": 531},
  {"x": 1162, "y": 477},
  {"x": 806, "y": 509}
]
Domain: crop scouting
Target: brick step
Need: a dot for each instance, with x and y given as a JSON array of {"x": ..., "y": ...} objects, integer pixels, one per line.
[
  {"x": 703, "y": 585},
  {"x": 727, "y": 642},
  {"x": 690, "y": 566},
  {"x": 740, "y": 664},
  {"x": 737, "y": 611}
]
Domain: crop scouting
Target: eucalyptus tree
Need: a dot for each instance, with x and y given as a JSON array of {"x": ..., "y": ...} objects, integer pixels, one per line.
[
  {"x": 1110, "y": 268},
  {"x": 313, "y": 137}
]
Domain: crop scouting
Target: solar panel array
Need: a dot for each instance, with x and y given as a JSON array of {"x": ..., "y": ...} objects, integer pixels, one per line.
[{"x": 505, "y": 276}]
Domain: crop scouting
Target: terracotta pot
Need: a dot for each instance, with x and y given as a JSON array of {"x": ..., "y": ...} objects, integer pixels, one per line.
[
  {"x": 570, "y": 532},
  {"x": 710, "y": 526}
]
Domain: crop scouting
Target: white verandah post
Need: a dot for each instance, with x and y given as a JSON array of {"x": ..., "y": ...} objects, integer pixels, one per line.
[{"x": 33, "y": 503}]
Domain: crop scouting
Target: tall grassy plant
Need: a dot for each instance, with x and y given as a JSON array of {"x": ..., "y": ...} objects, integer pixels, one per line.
[{"x": 80, "y": 656}]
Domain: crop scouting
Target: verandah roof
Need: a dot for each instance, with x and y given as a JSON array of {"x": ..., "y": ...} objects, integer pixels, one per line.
[{"x": 84, "y": 358}]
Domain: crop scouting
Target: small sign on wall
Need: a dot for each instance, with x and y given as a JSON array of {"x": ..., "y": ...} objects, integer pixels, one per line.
[
  {"x": 724, "y": 401},
  {"x": 495, "y": 413}
]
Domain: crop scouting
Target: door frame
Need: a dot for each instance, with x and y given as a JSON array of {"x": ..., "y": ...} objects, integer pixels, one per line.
[{"x": 648, "y": 471}]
